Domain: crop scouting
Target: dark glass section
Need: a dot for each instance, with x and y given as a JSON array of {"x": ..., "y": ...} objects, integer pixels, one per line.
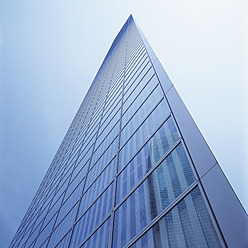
[{"x": 188, "y": 224}]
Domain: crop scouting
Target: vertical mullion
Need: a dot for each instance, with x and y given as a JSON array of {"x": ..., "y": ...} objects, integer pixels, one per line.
[
  {"x": 80, "y": 200},
  {"x": 117, "y": 156}
]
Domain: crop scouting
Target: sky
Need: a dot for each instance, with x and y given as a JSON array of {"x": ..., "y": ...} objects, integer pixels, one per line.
[{"x": 50, "y": 52}]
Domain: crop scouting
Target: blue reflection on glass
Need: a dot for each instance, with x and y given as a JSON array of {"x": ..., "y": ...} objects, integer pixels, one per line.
[
  {"x": 146, "y": 158},
  {"x": 188, "y": 224},
  {"x": 172, "y": 177},
  {"x": 100, "y": 239}
]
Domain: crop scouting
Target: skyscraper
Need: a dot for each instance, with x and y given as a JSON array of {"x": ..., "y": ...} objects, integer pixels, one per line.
[{"x": 133, "y": 169}]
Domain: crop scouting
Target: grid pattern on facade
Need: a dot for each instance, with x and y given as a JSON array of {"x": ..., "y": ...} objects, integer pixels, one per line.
[{"x": 122, "y": 175}]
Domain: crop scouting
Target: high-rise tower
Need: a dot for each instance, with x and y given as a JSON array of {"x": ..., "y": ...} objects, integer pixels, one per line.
[{"x": 133, "y": 169}]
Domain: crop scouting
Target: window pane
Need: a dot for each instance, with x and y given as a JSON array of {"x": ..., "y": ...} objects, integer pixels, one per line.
[
  {"x": 65, "y": 241},
  {"x": 136, "y": 79},
  {"x": 188, "y": 224},
  {"x": 93, "y": 217},
  {"x": 137, "y": 88},
  {"x": 97, "y": 169},
  {"x": 63, "y": 227},
  {"x": 133, "y": 121},
  {"x": 100, "y": 239},
  {"x": 143, "y": 133},
  {"x": 46, "y": 231},
  {"x": 172, "y": 177},
  {"x": 147, "y": 157},
  {"x": 106, "y": 157},
  {"x": 137, "y": 73}
]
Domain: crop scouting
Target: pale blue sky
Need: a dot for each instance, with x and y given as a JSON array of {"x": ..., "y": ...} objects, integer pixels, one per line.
[{"x": 51, "y": 50}]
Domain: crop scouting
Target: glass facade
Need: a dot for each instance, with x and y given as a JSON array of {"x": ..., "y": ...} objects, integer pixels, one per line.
[{"x": 123, "y": 175}]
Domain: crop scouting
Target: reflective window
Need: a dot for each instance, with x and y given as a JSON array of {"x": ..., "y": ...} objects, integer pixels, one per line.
[
  {"x": 143, "y": 133},
  {"x": 103, "y": 142},
  {"x": 84, "y": 157},
  {"x": 88, "y": 142},
  {"x": 136, "y": 78},
  {"x": 67, "y": 205},
  {"x": 141, "y": 114},
  {"x": 65, "y": 241},
  {"x": 97, "y": 169},
  {"x": 34, "y": 234},
  {"x": 44, "y": 244},
  {"x": 63, "y": 227},
  {"x": 46, "y": 231},
  {"x": 110, "y": 107},
  {"x": 53, "y": 210},
  {"x": 107, "y": 155},
  {"x": 75, "y": 188},
  {"x": 139, "y": 62},
  {"x": 115, "y": 93},
  {"x": 107, "y": 195},
  {"x": 101, "y": 182},
  {"x": 92, "y": 218},
  {"x": 147, "y": 157},
  {"x": 109, "y": 123},
  {"x": 79, "y": 172},
  {"x": 100, "y": 239},
  {"x": 188, "y": 224},
  {"x": 62, "y": 188},
  {"x": 96, "y": 188},
  {"x": 139, "y": 88},
  {"x": 172, "y": 177},
  {"x": 137, "y": 52}
]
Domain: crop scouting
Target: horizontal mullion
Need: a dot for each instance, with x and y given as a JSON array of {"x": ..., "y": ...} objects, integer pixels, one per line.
[
  {"x": 65, "y": 214},
  {"x": 139, "y": 61},
  {"x": 98, "y": 226},
  {"x": 98, "y": 176},
  {"x": 60, "y": 239},
  {"x": 105, "y": 136},
  {"x": 92, "y": 202},
  {"x": 135, "y": 55},
  {"x": 155, "y": 87},
  {"x": 142, "y": 123},
  {"x": 136, "y": 76},
  {"x": 104, "y": 151},
  {"x": 163, "y": 213},
  {"x": 147, "y": 174},
  {"x": 141, "y": 53},
  {"x": 130, "y": 93},
  {"x": 135, "y": 51},
  {"x": 119, "y": 172},
  {"x": 114, "y": 115}
]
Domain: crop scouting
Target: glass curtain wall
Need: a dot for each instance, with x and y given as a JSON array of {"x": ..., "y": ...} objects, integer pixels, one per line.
[{"x": 122, "y": 175}]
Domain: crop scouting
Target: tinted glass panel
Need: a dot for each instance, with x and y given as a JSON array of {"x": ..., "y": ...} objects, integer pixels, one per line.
[
  {"x": 92, "y": 218},
  {"x": 143, "y": 133},
  {"x": 146, "y": 158},
  {"x": 173, "y": 176},
  {"x": 100, "y": 239},
  {"x": 186, "y": 225}
]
